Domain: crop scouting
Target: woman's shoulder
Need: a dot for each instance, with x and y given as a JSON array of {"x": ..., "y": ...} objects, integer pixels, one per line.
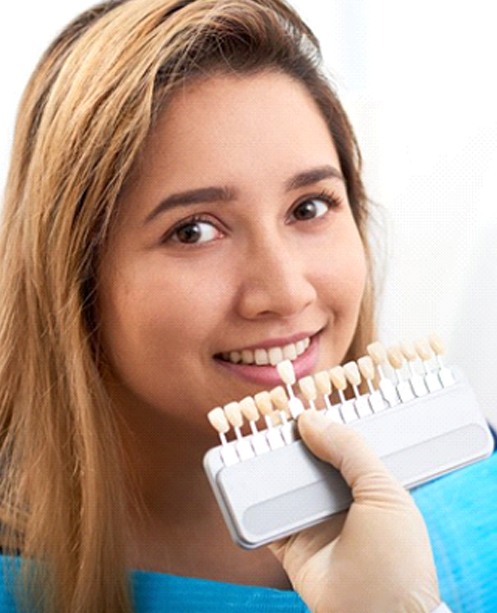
[
  {"x": 157, "y": 593},
  {"x": 9, "y": 566}
]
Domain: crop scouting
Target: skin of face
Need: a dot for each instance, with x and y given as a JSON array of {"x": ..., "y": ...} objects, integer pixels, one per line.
[{"x": 267, "y": 251}]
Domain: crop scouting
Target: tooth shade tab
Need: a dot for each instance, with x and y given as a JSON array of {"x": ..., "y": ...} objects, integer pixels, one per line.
[
  {"x": 366, "y": 367},
  {"x": 286, "y": 372},
  {"x": 249, "y": 409},
  {"x": 423, "y": 349},
  {"x": 281, "y": 404},
  {"x": 352, "y": 373},
  {"x": 378, "y": 353},
  {"x": 323, "y": 383},
  {"x": 279, "y": 398},
  {"x": 337, "y": 376},
  {"x": 408, "y": 351},
  {"x": 308, "y": 388},
  {"x": 234, "y": 414},
  {"x": 395, "y": 357},
  {"x": 264, "y": 403},
  {"x": 437, "y": 344},
  {"x": 217, "y": 419}
]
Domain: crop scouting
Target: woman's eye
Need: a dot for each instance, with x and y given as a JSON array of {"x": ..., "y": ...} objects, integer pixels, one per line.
[
  {"x": 310, "y": 209},
  {"x": 195, "y": 232}
]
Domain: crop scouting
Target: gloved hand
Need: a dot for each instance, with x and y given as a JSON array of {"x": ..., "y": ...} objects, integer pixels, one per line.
[{"x": 374, "y": 558}]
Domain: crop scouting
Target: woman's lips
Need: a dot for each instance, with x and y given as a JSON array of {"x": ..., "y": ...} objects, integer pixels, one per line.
[{"x": 267, "y": 375}]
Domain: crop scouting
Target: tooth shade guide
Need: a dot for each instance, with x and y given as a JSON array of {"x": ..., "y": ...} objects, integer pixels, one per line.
[
  {"x": 245, "y": 448},
  {"x": 339, "y": 382},
  {"x": 265, "y": 405},
  {"x": 377, "y": 401},
  {"x": 280, "y": 402},
  {"x": 396, "y": 361},
  {"x": 219, "y": 422},
  {"x": 378, "y": 354},
  {"x": 437, "y": 345},
  {"x": 377, "y": 381},
  {"x": 348, "y": 412},
  {"x": 309, "y": 391},
  {"x": 420, "y": 440},
  {"x": 405, "y": 391},
  {"x": 332, "y": 404},
  {"x": 274, "y": 438},
  {"x": 234, "y": 415},
  {"x": 242, "y": 444},
  {"x": 323, "y": 383},
  {"x": 367, "y": 370},
  {"x": 408, "y": 351},
  {"x": 251, "y": 414},
  {"x": 345, "y": 407},
  {"x": 353, "y": 376},
  {"x": 286, "y": 372},
  {"x": 334, "y": 413},
  {"x": 423, "y": 350},
  {"x": 432, "y": 381},
  {"x": 323, "y": 387},
  {"x": 361, "y": 403},
  {"x": 412, "y": 360},
  {"x": 446, "y": 377},
  {"x": 337, "y": 377},
  {"x": 425, "y": 354}
]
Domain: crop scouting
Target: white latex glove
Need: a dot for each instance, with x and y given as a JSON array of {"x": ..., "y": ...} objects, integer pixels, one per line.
[{"x": 376, "y": 557}]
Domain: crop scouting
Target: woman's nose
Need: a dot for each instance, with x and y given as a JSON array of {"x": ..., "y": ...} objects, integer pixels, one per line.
[{"x": 275, "y": 281}]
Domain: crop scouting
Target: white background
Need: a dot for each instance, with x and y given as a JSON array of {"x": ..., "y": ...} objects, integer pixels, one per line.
[{"x": 419, "y": 82}]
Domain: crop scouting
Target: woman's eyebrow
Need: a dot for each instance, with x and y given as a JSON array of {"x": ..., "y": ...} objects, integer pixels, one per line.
[
  {"x": 194, "y": 196},
  {"x": 227, "y": 194},
  {"x": 313, "y": 175}
]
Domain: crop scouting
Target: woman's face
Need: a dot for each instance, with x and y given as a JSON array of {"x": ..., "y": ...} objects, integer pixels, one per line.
[{"x": 235, "y": 246}]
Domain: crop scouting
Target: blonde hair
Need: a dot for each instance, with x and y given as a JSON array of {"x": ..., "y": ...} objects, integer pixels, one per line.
[{"x": 82, "y": 122}]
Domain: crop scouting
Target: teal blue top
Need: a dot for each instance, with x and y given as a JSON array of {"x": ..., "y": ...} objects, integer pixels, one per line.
[{"x": 461, "y": 514}]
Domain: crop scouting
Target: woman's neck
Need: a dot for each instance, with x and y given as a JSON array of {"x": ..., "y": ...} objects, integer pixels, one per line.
[{"x": 178, "y": 527}]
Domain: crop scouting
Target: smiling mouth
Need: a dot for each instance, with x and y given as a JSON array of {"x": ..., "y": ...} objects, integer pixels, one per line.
[{"x": 264, "y": 357}]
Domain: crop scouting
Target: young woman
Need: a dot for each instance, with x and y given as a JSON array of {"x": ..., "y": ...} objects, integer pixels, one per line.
[{"x": 184, "y": 202}]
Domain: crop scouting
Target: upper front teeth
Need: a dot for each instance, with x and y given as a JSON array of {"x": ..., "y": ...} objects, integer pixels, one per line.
[{"x": 272, "y": 356}]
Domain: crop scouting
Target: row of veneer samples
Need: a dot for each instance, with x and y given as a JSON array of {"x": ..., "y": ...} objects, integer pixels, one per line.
[{"x": 384, "y": 378}]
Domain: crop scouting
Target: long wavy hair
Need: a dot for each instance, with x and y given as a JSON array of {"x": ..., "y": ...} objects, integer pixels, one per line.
[{"x": 83, "y": 120}]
